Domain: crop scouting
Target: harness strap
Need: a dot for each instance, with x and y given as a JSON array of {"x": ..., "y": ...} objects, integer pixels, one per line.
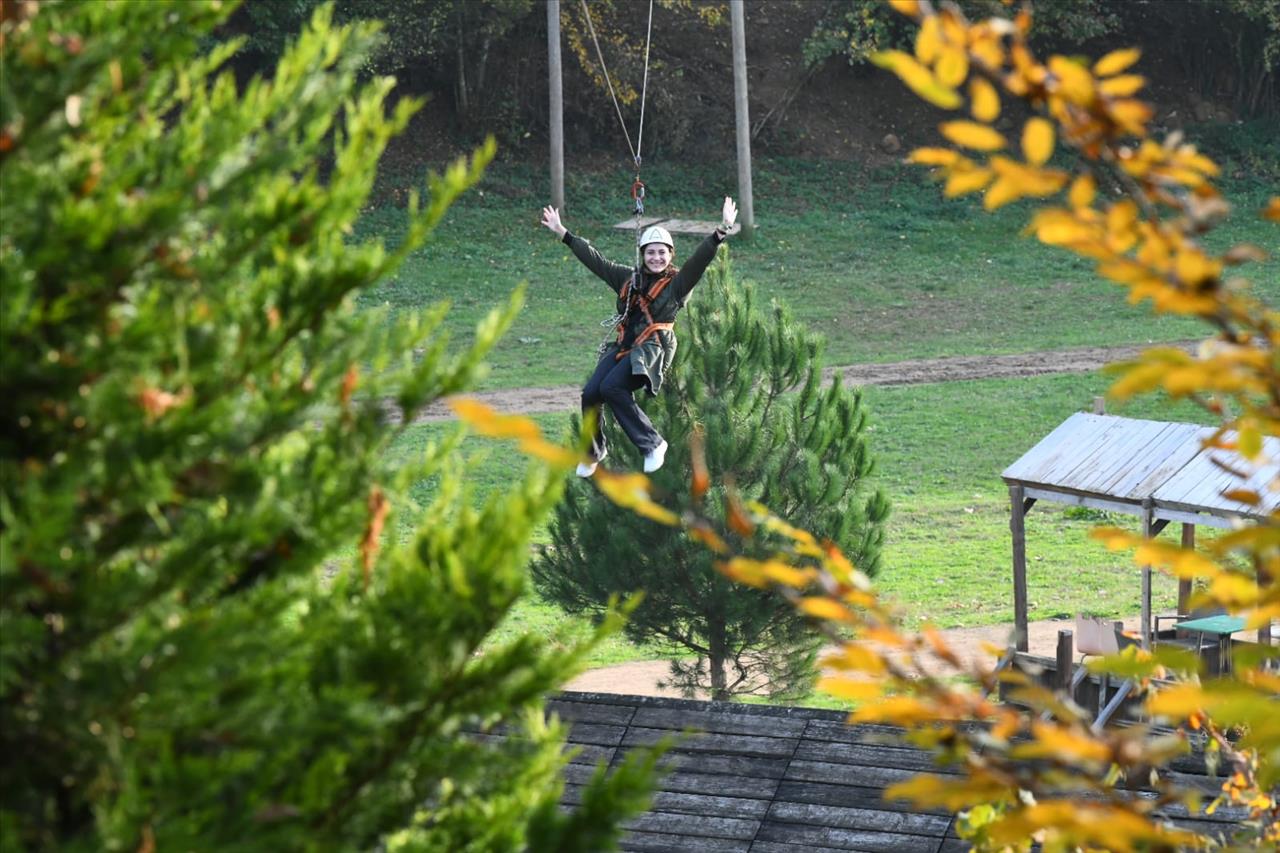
[
  {"x": 650, "y": 330},
  {"x": 644, "y": 300}
]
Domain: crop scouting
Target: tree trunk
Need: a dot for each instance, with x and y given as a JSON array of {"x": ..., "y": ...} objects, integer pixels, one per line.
[
  {"x": 717, "y": 659},
  {"x": 463, "y": 100}
]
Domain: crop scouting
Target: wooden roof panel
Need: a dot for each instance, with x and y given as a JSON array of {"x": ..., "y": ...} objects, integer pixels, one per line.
[
  {"x": 1129, "y": 461},
  {"x": 736, "y": 788},
  {"x": 1200, "y": 483}
]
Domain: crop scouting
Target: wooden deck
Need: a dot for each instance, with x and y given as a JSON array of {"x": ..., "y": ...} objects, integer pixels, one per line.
[
  {"x": 692, "y": 227},
  {"x": 770, "y": 779}
]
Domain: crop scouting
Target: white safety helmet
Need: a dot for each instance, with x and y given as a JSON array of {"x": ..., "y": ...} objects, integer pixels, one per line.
[{"x": 656, "y": 234}]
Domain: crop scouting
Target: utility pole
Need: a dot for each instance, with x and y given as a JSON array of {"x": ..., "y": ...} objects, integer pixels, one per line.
[
  {"x": 738, "y": 18},
  {"x": 557, "y": 105}
]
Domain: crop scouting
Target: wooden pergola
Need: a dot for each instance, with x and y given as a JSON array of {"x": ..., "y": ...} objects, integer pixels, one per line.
[{"x": 1157, "y": 470}]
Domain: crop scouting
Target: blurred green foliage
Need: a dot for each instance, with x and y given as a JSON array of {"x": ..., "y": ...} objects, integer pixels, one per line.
[{"x": 196, "y": 419}]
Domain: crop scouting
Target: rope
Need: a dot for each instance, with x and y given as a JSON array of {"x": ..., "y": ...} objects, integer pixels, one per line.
[
  {"x": 637, "y": 187},
  {"x": 644, "y": 87}
]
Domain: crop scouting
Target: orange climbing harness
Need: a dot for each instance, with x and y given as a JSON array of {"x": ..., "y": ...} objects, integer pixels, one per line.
[{"x": 644, "y": 300}]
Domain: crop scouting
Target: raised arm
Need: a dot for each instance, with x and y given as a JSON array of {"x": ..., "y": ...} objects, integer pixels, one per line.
[
  {"x": 613, "y": 274},
  {"x": 691, "y": 270}
]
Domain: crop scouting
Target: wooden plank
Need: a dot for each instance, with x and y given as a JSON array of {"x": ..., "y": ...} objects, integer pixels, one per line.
[
  {"x": 590, "y": 733},
  {"x": 955, "y": 845},
  {"x": 1082, "y": 430},
  {"x": 1134, "y": 456},
  {"x": 693, "y": 227},
  {"x": 645, "y": 222},
  {"x": 728, "y": 765},
  {"x": 902, "y": 758},
  {"x": 776, "y": 847},
  {"x": 845, "y": 839},
  {"x": 1162, "y": 459},
  {"x": 842, "y": 732},
  {"x": 1115, "y": 455},
  {"x": 880, "y": 820},
  {"x": 1066, "y": 468},
  {"x": 843, "y": 774},
  {"x": 728, "y": 786},
  {"x": 592, "y": 712},
  {"x": 768, "y": 747},
  {"x": 694, "y": 826},
  {"x": 1072, "y": 499},
  {"x": 1033, "y": 458},
  {"x": 850, "y": 795},
  {"x": 659, "y": 842},
  {"x": 719, "y": 722},
  {"x": 590, "y": 753},
  {"x": 709, "y": 805}
]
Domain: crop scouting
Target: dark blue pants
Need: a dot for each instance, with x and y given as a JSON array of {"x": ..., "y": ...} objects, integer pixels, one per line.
[{"x": 614, "y": 383}]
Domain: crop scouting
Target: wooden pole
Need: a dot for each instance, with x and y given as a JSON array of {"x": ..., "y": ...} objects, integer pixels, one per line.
[
  {"x": 1066, "y": 651},
  {"x": 556, "y": 120},
  {"x": 1184, "y": 584},
  {"x": 745, "y": 204},
  {"x": 1017, "y": 526},
  {"x": 1148, "y": 521}
]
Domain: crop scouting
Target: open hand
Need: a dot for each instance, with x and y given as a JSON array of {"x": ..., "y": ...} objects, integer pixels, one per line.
[
  {"x": 729, "y": 214},
  {"x": 551, "y": 221}
]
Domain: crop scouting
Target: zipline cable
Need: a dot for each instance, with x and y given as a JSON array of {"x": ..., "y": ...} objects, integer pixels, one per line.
[{"x": 637, "y": 186}]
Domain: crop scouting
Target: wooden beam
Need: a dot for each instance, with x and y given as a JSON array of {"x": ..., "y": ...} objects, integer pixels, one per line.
[
  {"x": 1148, "y": 524},
  {"x": 1184, "y": 584},
  {"x": 1017, "y": 527},
  {"x": 1071, "y": 499},
  {"x": 1066, "y": 652}
]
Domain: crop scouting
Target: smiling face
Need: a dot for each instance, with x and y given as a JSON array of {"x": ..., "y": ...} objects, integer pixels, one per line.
[{"x": 657, "y": 256}]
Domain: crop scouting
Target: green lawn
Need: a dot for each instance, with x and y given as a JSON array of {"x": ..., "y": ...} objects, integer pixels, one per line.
[
  {"x": 886, "y": 270},
  {"x": 879, "y": 263},
  {"x": 941, "y": 449}
]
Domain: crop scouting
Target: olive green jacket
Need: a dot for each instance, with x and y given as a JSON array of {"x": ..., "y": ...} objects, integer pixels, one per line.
[{"x": 653, "y": 357}]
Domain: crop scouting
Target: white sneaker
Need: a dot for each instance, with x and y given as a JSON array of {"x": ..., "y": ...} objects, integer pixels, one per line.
[
  {"x": 586, "y": 469},
  {"x": 654, "y": 459}
]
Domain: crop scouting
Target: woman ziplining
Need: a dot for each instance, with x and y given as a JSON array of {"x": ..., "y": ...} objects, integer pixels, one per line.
[{"x": 650, "y": 296}]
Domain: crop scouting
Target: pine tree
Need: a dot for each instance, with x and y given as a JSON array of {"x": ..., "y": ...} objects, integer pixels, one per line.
[
  {"x": 750, "y": 383},
  {"x": 196, "y": 425}
]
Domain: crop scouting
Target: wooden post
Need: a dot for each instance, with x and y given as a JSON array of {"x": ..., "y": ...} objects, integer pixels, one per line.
[
  {"x": 745, "y": 206},
  {"x": 1066, "y": 652},
  {"x": 1017, "y": 526},
  {"x": 1264, "y": 630},
  {"x": 1148, "y": 509},
  {"x": 556, "y": 120},
  {"x": 1184, "y": 584}
]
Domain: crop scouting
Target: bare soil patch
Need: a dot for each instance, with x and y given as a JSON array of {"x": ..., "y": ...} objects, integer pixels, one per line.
[
  {"x": 529, "y": 401},
  {"x": 645, "y": 678}
]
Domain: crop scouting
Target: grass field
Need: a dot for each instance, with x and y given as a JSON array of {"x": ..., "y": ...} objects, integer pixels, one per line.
[
  {"x": 879, "y": 263},
  {"x": 941, "y": 449},
  {"x": 886, "y": 270}
]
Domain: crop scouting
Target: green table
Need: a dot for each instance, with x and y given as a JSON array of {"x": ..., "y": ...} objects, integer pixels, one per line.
[{"x": 1220, "y": 626}]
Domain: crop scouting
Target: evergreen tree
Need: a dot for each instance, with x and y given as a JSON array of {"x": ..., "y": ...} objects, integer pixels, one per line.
[
  {"x": 195, "y": 423},
  {"x": 750, "y": 383}
]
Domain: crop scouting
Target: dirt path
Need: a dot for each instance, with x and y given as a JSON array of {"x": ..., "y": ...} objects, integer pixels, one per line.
[
  {"x": 642, "y": 678},
  {"x": 529, "y": 401}
]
